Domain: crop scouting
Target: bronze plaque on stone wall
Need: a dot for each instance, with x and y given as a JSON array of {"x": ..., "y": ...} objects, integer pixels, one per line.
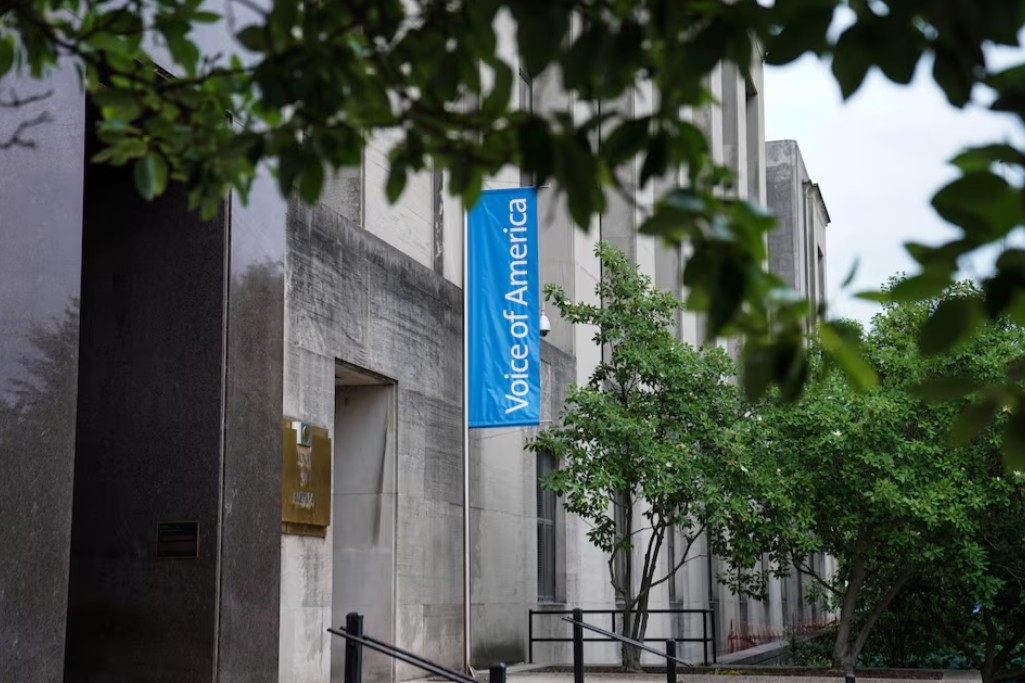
[{"x": 305, "y": 479}]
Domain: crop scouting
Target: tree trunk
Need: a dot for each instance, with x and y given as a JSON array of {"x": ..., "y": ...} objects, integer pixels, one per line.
[
  {"x": 631, "y": 659},
  {"x": 988, "y": 671},
  {"x": 630, "y": 654},
  {"x": 842, "y": 648}
]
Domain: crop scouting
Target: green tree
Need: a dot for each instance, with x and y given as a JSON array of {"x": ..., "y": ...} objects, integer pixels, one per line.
[
  {"x": 974, "y": 604},
  {"x": 639, "y": 445},
  {"x": 871, "y": 478},
  {"x": 312, "y": 81}
]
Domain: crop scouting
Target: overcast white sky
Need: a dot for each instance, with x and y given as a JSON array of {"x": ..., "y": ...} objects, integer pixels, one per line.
[{"x": 878, "y": 159}]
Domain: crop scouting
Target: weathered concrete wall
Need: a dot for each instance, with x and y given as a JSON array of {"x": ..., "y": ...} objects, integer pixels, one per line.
[
  {"x": 352, "y": 297},
  {"x": 784, "y": 176},
  {"x": 800, "y": 237}
]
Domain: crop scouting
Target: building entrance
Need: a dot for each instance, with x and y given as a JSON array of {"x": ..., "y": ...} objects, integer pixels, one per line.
[{"x": 364, "y": 505}]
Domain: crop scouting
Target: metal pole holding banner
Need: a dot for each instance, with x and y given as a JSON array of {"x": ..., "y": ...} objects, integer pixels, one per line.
[
  {"x": 501, "y": 335},
  {"x": 466, "y": 453}
]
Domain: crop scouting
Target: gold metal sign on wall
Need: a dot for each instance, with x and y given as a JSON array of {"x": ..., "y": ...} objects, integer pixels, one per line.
[{"x": 305, "y": 479}]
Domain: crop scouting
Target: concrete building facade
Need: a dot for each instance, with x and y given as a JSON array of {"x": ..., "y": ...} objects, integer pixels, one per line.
[
  {"x": 797, "y": 248},
  {"x": 149, "y": 358}
]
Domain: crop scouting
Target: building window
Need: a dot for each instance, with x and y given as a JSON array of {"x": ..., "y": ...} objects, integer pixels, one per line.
[{"x": 546, "y": 506}]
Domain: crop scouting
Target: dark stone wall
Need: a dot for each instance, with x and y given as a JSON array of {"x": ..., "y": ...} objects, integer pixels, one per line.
[
  {"x": 149, "y": 436},
  {"x": 180, "y": 396},
  {"x": 250, "y": 574},
  {"x": 40, "y": 274}
]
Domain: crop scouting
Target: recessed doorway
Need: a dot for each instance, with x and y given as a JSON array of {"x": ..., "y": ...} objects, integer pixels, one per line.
[{"x": 364, "y": 505}]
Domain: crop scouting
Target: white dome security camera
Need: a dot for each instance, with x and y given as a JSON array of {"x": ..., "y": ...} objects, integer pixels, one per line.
[{"x": 546, "y": 326}]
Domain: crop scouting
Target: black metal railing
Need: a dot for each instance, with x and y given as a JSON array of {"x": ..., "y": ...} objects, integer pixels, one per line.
[
  {"x": 578, "y": 626},
  {"x": 356, "y": 640},
  {"x": 707, "y": 638}
]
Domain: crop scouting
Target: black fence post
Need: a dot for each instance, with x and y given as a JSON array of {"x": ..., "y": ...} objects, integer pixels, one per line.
[
  {"x": 497, "y": 673},
  {"x": 578, "y": 647},
  {"x": 715, "y": 658},
  {"x": 670, "y": 661},
  {"x": 530, "y": 636},
  {"x": 353, "y": 650},
  {"x": 704, "y": 635}
]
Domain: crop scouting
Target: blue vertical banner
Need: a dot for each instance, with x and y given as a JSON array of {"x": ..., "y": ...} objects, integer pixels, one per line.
[{"x": 504, "y": 341}]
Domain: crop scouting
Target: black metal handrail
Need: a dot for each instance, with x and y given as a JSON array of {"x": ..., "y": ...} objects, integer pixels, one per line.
[
  {"x": 356, "y": 640},
  {"x": 630, "y": 641},
  {"x": 578, "y": 647},
  {"x": 705, "y": 639}
]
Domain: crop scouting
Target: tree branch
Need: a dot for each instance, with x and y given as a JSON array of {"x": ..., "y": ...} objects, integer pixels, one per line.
[
  {"x": 808, "y": 571},
  {"x": 683, "y": 558},
  {"x": 16, "y": 101},
  {"x": 16, "y": 138},
  {"x": 880, "y": 607}
]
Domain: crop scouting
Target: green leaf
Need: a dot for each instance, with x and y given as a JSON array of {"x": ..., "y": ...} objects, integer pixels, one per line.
[
  {"x": 118, "y": 103},
  {"x": 972, "y": 420},
  {"x": 982, "y": 158},
  {"x": 184, "y": 51},
  {"x": 951, "y": 322},
  {"x": 252, "y": 38},
  {"x": 982, "y": 203},
  {"x": 898, "y": 49},
  {"x": 851, "y": 61},
  {"x": 6, "y": 54},
  {"x": 791, "y": 370},
  {"x": 667, "y": 223},
  {"x": 922, "y": 286},
  {"x": 941, "y": 259},
  {"x": 872, "y": 295},
  {"x": 803, "y": 31},
  {"x": 757, "y": 363},
  {"x": 536, "y": 147},
  {"x": 396, "y": 182},
  {"x": 657, "y": 159},
  {"x": 578, "y": 63},
  {"x": 206, "y": 17},
  {"x": 845, "y": 350},
  {"x": 576, "y": 169},
  {"x": 945, "y": 388},
  {"x": 626, "y": 141},
  {"x": 540, "y": 28},
  {"x": 953, "y": 73},
  {"x": 726, "y": 291},
  {"x": 311, "y": 182},
  {"x": 1014, "y": 442},
  {"x": 851, "y": 273},
  {"x": 150, "y": 175},
  {"x": 498, "y": 99}
]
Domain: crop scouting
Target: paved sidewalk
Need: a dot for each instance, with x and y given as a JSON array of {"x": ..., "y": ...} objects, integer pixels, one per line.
[{"x": 532, "y": 675}]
